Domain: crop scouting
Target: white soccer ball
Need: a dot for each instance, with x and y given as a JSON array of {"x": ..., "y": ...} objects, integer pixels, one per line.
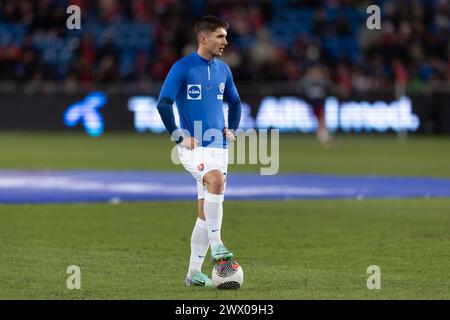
[{"x": 227, "y": 275}]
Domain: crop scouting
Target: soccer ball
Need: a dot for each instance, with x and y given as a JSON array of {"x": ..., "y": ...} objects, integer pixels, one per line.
[{"x": 227, "y": 275}]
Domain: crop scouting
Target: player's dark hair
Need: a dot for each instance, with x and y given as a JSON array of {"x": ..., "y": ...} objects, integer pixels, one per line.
[{"x": 209, "y": 24}]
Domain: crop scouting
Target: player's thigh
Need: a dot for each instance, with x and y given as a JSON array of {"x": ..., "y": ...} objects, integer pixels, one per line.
[
  {"x": 192, "y": 161},
  {"x": 218, "y": 161},
  {"x": 197, "y": 162},
  {"x": 201, "y": 161},
  {"x": 201, "y": 190},
  {"x": 221, "y": 160}
]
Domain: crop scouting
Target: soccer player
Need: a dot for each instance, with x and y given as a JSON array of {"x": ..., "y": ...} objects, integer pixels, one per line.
[
  {"x": 315, "y": 86},
  {"x": 198, "y": 83}
]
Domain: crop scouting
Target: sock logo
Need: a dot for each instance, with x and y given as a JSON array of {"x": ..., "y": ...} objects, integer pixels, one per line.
[
  {"x": 214, "y": 230},
  {"x": 201, "y": 257}
]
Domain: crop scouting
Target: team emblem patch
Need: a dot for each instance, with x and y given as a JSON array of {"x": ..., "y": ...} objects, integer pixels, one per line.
[
  {"x": 194, "y": 91},
  {"x": 200, "y": 167},
  {"x": 222, "y": 87}
]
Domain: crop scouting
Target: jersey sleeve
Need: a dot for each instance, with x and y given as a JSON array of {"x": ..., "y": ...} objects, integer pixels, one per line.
[
  {"x": 172, "y": 83},
  {"x": 231, "y": 93},
  {"x": 234, "y": 102}
]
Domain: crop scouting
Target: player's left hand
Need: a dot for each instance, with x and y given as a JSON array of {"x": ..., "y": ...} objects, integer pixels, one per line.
[{"x": 229, "y": 135}]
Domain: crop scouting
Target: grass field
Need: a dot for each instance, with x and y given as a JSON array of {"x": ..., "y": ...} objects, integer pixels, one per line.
[
  {"x": 307, "y": 250},
  {"x": 368, "y": 154},
  {"x": 289, "y": 250}
]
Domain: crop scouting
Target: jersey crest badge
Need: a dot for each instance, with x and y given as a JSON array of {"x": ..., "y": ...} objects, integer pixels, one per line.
[{"x": 194, "y": 91}]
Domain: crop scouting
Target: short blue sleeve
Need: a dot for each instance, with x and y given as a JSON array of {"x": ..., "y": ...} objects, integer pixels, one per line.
[
  {"x": 173, "y": 82},
  {"x": 231, "y": 93}
]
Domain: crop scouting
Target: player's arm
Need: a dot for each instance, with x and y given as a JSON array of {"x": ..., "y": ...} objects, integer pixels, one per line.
[
  {"x": 169, "y": 91},
  {"x": 234, "y": 107}
]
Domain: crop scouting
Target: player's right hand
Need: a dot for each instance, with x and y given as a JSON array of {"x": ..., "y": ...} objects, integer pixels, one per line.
[{"x": 189, "y": 143}]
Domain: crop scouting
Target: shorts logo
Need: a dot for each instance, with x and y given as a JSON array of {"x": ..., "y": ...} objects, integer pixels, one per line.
[
  {"x": 194, "y": 91},
  {"x": 200, "y": 167}
]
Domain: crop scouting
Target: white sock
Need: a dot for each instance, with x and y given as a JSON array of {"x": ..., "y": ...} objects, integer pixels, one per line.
[
  {"x": 199, "y": 246},
  {"x": 213, "y": 213}
]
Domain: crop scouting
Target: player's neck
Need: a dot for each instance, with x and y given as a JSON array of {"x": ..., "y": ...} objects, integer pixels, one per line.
[{"x": 204, "y": 54}]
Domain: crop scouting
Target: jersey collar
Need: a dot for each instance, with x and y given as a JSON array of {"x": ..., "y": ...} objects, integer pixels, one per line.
[{"x": 204, "y": 60}]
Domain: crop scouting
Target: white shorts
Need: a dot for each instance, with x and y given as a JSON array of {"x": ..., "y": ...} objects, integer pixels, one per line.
[{"x": 200, "y": 161}]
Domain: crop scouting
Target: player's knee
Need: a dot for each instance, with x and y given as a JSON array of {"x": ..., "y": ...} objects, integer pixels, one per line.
[
  {"x": 214, "y": 182},
  {"x": 216, "y": 185}
]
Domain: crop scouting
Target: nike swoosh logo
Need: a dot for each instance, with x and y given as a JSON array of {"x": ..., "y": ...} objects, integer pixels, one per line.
[
  {"x": 200, "y": 282},
  {"x": 214, "y": 230},
  {"x": 201, "y": 257}
]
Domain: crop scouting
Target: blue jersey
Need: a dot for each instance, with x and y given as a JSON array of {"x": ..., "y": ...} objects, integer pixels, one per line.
[{"x": 198, "y": 87}]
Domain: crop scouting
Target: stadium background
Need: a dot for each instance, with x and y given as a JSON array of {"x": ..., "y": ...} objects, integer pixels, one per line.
[{"x": 320, "y": 249}]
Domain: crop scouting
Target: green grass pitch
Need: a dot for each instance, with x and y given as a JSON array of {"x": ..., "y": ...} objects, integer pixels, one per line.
[{"x": 288, "y": 249}]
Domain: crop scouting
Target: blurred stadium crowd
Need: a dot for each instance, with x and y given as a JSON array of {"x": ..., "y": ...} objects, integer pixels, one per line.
[{"x": 139, "y": 40}]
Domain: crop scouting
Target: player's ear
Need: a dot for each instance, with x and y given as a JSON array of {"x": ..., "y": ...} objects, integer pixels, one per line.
[{"x": 202, "y": 39}]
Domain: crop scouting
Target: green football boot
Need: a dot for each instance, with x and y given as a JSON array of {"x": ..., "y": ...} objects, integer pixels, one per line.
[
  {"x": 220, "y": 252},
  {"x": 199, "y": 279}
]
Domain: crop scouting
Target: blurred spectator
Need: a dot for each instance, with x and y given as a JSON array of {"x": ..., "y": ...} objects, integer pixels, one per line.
[{"x": 268, "y": 40}]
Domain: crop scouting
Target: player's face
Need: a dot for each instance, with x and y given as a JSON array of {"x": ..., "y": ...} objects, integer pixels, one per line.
[{"x": 216, "y": 42}]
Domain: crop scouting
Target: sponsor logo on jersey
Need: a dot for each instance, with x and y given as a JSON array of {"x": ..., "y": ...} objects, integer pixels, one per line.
[{"x": 194, "y": 92}]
